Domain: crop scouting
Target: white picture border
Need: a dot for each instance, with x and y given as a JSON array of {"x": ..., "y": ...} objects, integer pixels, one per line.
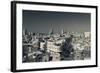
[{"x": 21, "y": 66}]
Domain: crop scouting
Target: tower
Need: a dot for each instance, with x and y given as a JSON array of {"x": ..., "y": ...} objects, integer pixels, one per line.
[
  {"x": 62, "y": 31},
  {"x": 51, "y": 31},
  {"x": 24, "y": 32}
]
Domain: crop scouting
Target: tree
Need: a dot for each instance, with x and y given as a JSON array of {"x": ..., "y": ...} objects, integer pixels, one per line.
[{"x": 67, "y": 49}]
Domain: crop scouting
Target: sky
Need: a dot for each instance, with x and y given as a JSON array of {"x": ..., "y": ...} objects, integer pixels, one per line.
[{"x": 43, "y": 21}]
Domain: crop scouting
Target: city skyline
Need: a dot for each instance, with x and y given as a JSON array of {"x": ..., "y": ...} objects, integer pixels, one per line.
[{"x": 43, "y": 21}]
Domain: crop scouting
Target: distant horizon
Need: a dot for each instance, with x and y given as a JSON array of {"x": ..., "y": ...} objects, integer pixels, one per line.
[{"x": 55, "y": 32}]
